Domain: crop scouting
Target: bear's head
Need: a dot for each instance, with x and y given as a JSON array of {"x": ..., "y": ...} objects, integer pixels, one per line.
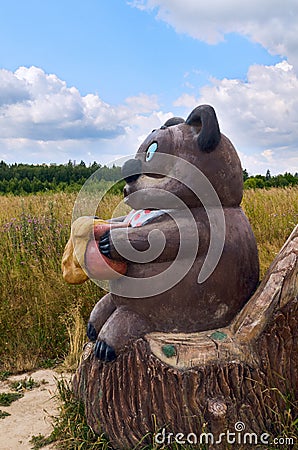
[{"x": 164, "y": 159}]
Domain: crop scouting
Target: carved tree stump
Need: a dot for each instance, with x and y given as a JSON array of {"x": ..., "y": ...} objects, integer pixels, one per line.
[{"x": 205, "y": 381}]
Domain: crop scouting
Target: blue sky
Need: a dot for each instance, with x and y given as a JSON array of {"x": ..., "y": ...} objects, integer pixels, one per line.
[{"x": 88, "y": 80}]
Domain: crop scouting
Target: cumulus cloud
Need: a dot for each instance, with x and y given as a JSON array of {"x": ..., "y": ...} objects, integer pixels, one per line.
[
  {"x": 12, "y": 89},
  {"x": 272, "y": 23},
  {"x": 260, "y": 114},
  {"x": 44, "y": 120},
  {"x": 41, "y": 107}
]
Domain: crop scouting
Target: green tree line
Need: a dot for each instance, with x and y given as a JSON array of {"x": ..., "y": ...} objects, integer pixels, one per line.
[
  {"x": 20, "y": 179},
  {"x": 268, "y": 180}
]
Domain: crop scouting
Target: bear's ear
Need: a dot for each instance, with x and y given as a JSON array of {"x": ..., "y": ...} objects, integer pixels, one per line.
[
  {"x": 173, "y": 121},
  {"x": 205, "y": 117}
]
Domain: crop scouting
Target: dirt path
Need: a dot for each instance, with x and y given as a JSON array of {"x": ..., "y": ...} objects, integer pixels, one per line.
[{"x": 31, "y": 414}]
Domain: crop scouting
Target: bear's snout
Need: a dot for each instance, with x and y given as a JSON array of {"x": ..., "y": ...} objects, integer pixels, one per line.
[{"x": 131, "y": 170}]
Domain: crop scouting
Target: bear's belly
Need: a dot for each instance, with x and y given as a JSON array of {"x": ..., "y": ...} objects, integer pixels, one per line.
[{"x": 188, "y": 306}]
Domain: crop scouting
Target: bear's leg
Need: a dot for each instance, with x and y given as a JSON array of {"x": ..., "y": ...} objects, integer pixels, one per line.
[
  {"x": 99, "y": 315},
  {"x": 122, "y": 327}
]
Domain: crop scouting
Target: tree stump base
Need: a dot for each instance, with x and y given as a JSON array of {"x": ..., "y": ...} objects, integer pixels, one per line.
[{"x": 207, "y": 382}]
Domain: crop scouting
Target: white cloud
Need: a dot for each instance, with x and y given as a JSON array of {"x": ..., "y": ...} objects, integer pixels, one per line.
[
  {"x": 44, "y": 120},
  {"x": 268, "y": 154},
  {"x": 186, "y": 101},
  {"x": 259, "y": 115},
  {"x": 261, "y": 111},
  {"x": 259, "y": 163},
  {"x": 12, "y": 89},
  {"x": 44, "y": 108},
  {"x": 143, "y": 103},
  {"x": 272, "y": 23}
]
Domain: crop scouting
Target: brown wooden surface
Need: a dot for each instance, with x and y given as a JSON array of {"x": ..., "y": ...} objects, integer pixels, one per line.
[{"x": 203, "y": 381}]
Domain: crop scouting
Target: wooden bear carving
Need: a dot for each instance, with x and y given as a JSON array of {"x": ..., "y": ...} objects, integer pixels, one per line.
[{"x": 185, "y": 187}]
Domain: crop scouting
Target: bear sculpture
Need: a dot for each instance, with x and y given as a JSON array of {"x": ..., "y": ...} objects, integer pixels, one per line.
[{"x": 159, "y": 186}]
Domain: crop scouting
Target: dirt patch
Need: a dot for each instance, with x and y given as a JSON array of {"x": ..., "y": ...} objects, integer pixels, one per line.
[{"x": 31, "y": 414}]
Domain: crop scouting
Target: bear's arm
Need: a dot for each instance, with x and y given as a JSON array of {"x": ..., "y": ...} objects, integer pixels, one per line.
[
  {"x": 116, "y": 219},
  {"x": 197, "y": 234}
]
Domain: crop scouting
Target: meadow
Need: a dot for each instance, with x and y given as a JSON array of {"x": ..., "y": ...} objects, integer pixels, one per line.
[
  {"x": 42, "y": 318},
  {"x": 40, "y": 314}
]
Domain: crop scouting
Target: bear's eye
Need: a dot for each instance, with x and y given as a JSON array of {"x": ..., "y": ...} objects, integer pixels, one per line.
[{"x": 150, "y": 151}]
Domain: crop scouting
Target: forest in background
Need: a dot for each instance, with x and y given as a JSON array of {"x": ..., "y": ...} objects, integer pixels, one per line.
[{"x": 22, "y": 179}]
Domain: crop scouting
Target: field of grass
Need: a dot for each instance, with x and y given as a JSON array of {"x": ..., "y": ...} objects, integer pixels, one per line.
[
  {"x": 39, "y": 312},
  {"x": 42, "y": 319},
  {"x": 273, "y": 214}
]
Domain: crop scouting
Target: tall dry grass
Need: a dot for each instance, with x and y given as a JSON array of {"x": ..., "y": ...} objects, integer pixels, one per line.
[
  {"x": 41, "y": 317},
  {"x": 273, "y": 214},
  {"x": 36, "y": 305}
]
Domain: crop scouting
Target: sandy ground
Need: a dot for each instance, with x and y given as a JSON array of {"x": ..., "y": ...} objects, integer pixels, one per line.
[{"x": 31, "y": 414}]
